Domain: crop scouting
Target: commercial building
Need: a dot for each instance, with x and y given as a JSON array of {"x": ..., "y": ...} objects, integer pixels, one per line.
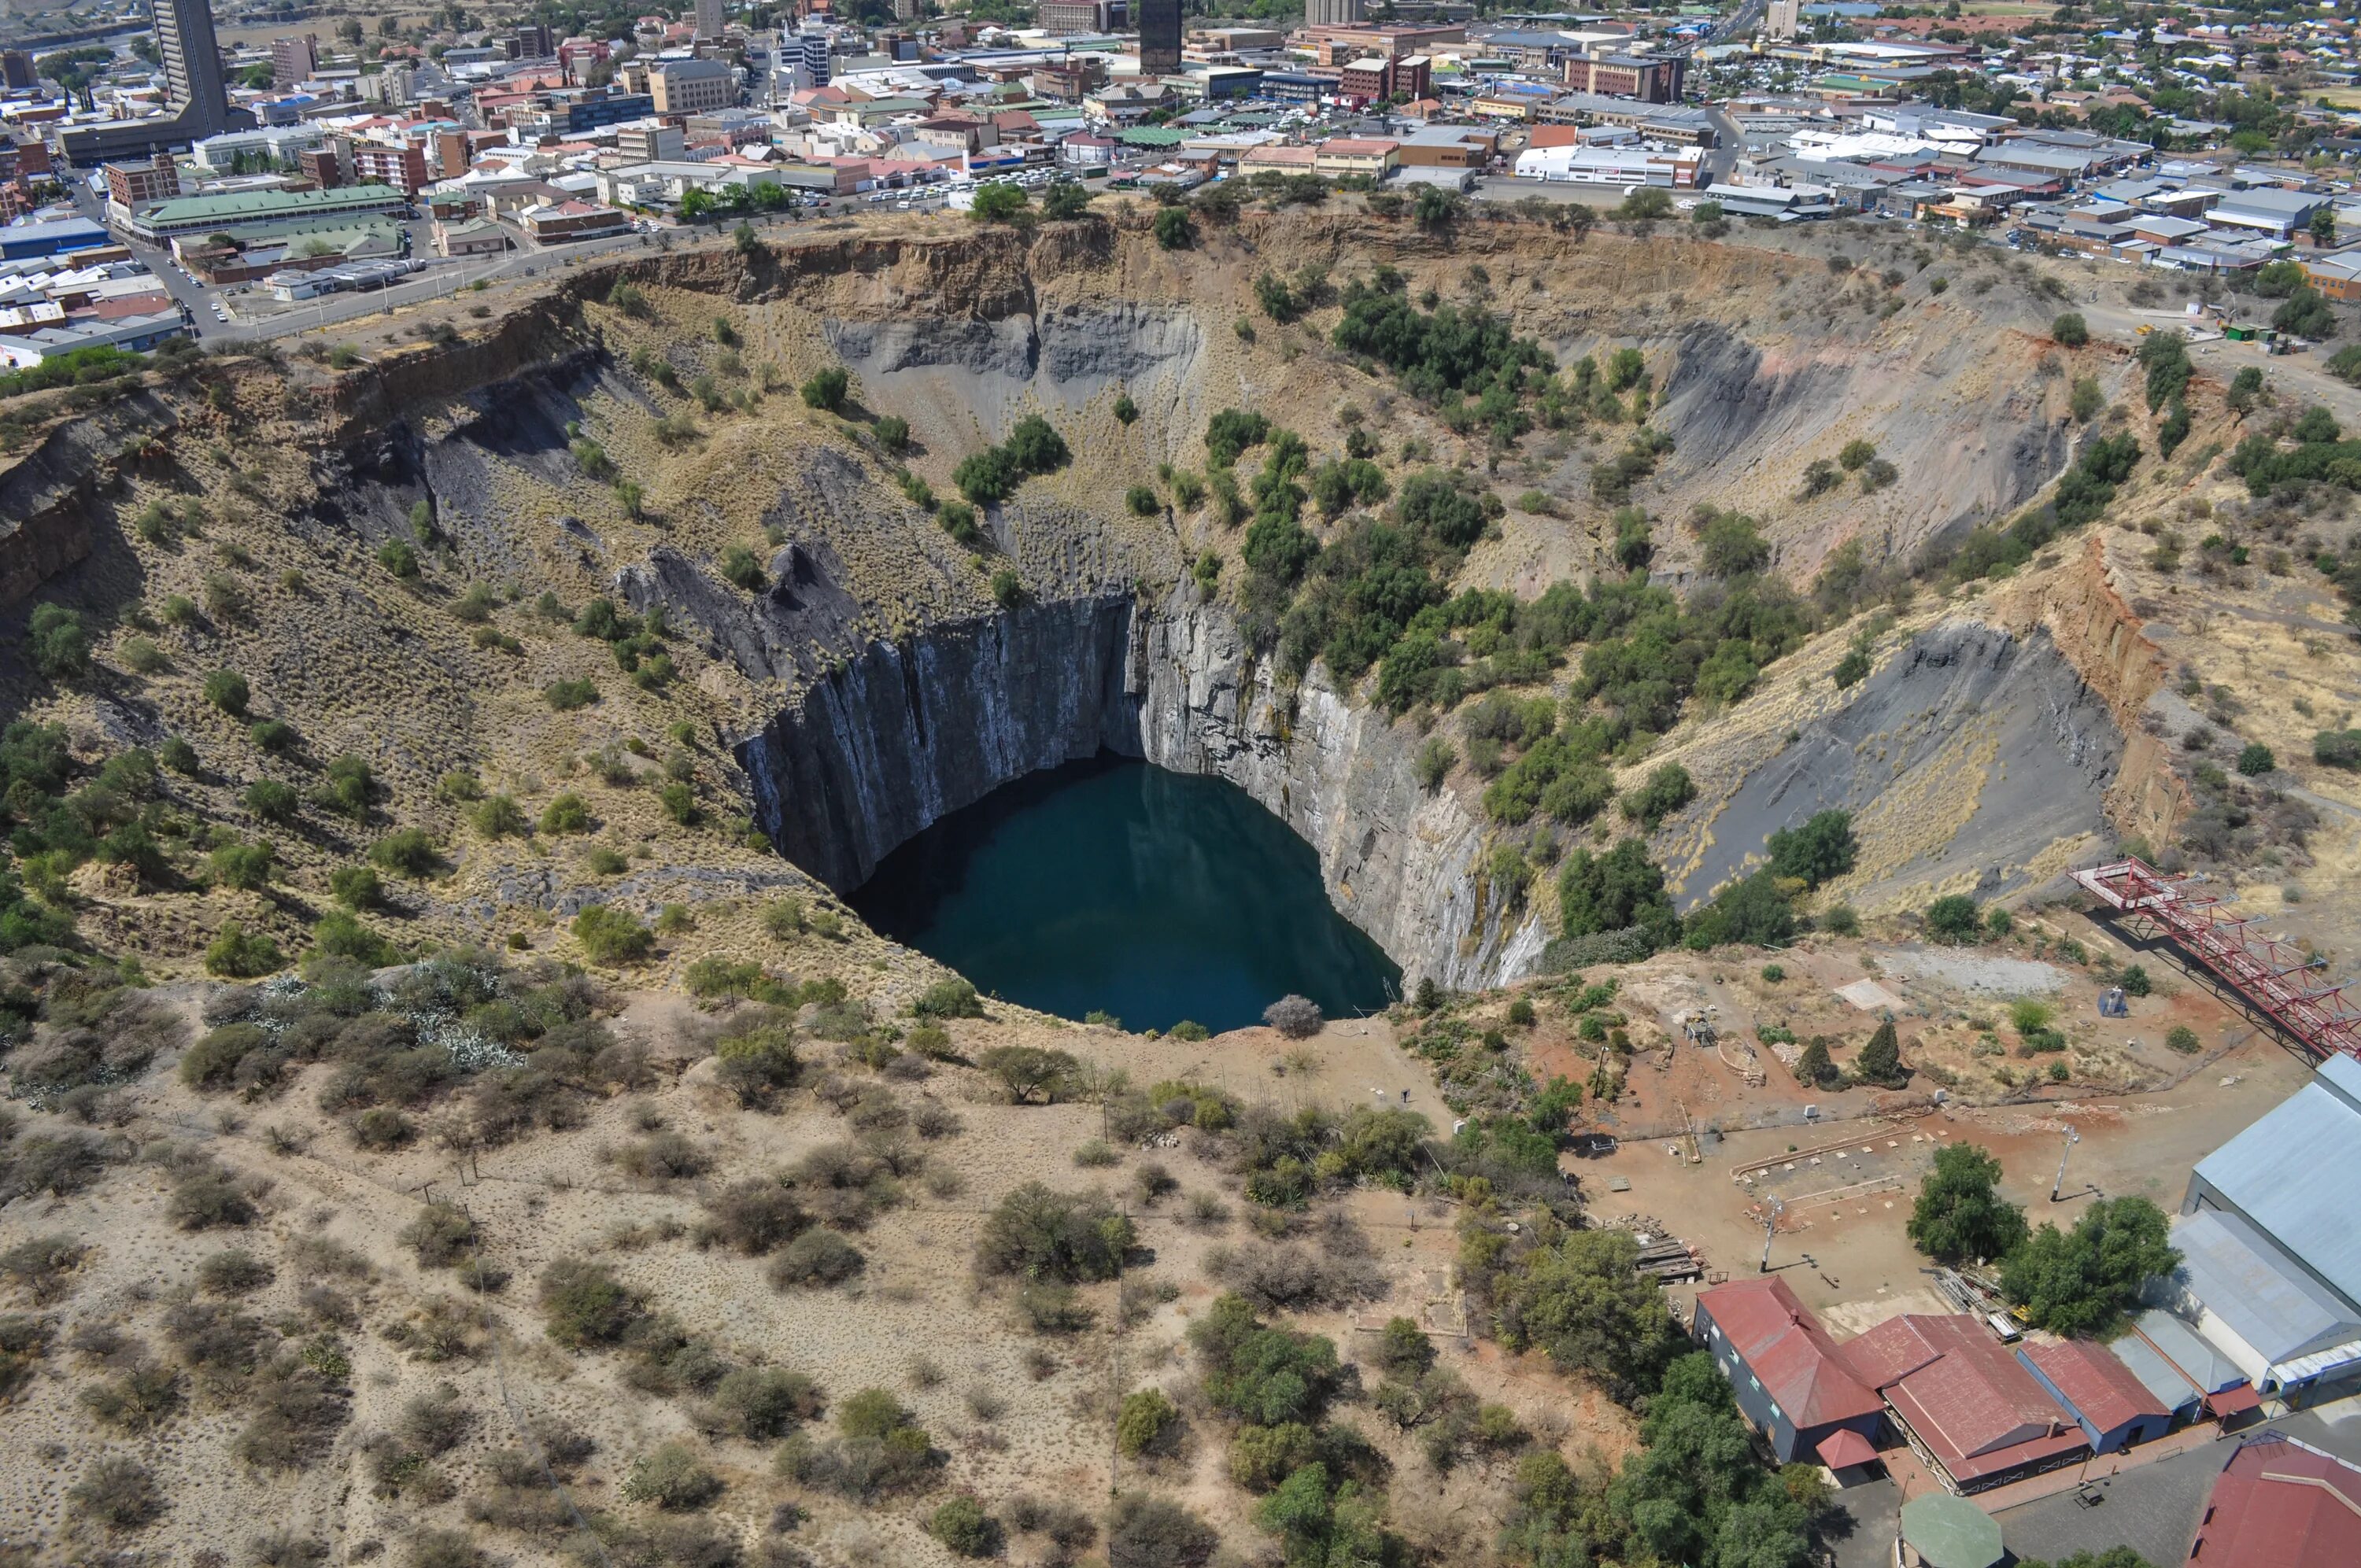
[
  {"x": 650, "y": 143},
  {"x": 1449, "y": 146},
  {"x": 294, "y": 61},
  {"x": 29, "y": 237},
  {"x": 708, "y": 19},
  {"x": 2113, "y": 1409},
  {"x": 693, "y": 86},
  {"x": 1333, "y": 13},
  {"x": 2282, "y": 1504},
  {"x": 477, "y": 236},
  {"x": 2271, "y": 1256},
  {"x": 2279, "y": 214},
  {"x": 1652, "y": 79},
  {"x": 260, "y": 211},
  {"x": 274, "y": 144},
  {"x": 1610, "y": 166},
  {"x": 1972, "y": 1411},
  {"x": 1791, "y": 1379},
  {"x": 128, "y": 184},
  {"x": 564, "y": 222},
  {"x": 15, "y": 70},
  {"x": 1083, "y": 15},
  {"x": 1376, "y": 76},
  {"x": 134, "y": 334},
  {"x": 1372, "y": 156},
  {"x": 1160, "y": 37}
]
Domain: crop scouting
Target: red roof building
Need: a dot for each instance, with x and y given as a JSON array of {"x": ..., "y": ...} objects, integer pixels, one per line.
[
  {"x": 1968, "y": 1405},
  {"x": 2277, "y": 1504},
  {"x": 1790, "y": 1378},
  {"x": 2113, "y": 1409}
]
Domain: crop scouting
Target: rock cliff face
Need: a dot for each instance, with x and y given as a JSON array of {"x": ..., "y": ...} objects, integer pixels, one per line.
[{"x": 906, "y": 733}]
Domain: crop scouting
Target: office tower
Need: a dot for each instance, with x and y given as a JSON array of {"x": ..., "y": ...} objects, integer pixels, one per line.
[
  {"x": 1160, "y": 37},
  {"x": 708, "y": 19},
  {"x": 192, "y": 67}
]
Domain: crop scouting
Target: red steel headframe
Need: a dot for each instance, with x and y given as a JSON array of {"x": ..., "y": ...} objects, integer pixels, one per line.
[{"x": 2275, "y": 976}]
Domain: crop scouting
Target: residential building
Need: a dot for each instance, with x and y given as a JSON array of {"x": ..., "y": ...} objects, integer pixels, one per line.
[
  {"x": 402, "y": 167},
  {"x": 693, "y": 86},
  {"x": 294, "y": 61},
  {"x": 2271, "y": 1257},
  {"x": 2279, "y": 1503},
  {"x": 1783, "y": 20},
  {"x": 2113, "y": 1407},
  {"x": 1971, "y": 1410},
  {"x": 1791, "y": 1379},
  {"x": 321, "y": 166},
  {"x": 128, "y": 184},
  {"x": 1376, "y": 76},
  {"x": 1160, "y": 37}
]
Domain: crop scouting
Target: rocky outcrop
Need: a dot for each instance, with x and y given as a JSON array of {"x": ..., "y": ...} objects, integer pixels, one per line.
[
  {"x": 50, "y": 496},
  {"x": 905, "y": 733}
]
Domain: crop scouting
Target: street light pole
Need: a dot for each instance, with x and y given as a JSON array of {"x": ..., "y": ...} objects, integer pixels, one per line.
[
  {"x": 1770, "y": 1225},
  {"x": 2072, "y": 1137}
]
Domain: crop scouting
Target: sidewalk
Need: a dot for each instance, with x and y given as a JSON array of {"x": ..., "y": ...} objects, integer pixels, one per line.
[{"x": 1915, "y": 1479}]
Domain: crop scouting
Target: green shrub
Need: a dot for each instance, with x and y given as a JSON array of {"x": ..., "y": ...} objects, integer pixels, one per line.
[
  {"x": 2180, "y": 1037},
  {"x": 566, "y": 813},
  {"x": 671, "y": 1477},
  {"x": 949, "y": 998},
  {"x": 238, "y": 954},
  {"x": 1143, "y": 1421},
  {"x": 585, "y": 1305},
  {"x": 1953, "y": 918},
  {"x": 570, "y": 695},
  {"x": 406, "y": 851},
  {"x": 815, "y": 1259},
  {"x": 398, "y": 558},
  {"x": 610, "y": 936},
  {"x": 60, "y": 645},
  {"x": 1040, "y": 1235},
  {"x": 964, "y": 1529},
  {"x": 227, "y": 690}
]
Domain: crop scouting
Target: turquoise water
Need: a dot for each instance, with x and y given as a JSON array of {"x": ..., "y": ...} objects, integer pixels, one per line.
[{"x": 1112, "y": 886}]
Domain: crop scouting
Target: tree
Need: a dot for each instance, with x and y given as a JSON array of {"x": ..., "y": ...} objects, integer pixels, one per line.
[
  {"x": 1065, "y": 199},
  {"x": 1820, "y": 851},
  {"x": 1054, "y": 1236},
  {"x": 1173, "y": 229},
  {"x": 1667, "y": 790},
  {"x": 1619, "y": 890},
  {"x": 2079, "y": 1281},
  {"x": 997, "y": 202},
  {"x": 1880, "y": 1061},
  {"x": 1296, "y": 1017},
  {"x": 1814, "y": 1067},
  {"x": 1647, "y": 202},
  {"x": 1035, "y": 446},
  {"x": 2255, "y": 760},
  {"x": 2305, "y": 314},
  {"x": 1581, "y": 1298},
  {"x": 2324, "y": 227},
  {"x": 2071, "y": 330},
  {"x": 2113, "y": 1556},
  {"x": 1960, "y": 1213}
]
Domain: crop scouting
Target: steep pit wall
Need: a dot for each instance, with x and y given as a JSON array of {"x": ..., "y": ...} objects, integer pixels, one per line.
[
  {"x": 2100, "y": 634},
  {"x": 902, "y": 734}
]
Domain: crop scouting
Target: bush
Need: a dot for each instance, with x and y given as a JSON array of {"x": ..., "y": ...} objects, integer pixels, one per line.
[
  {"x": 117, "y": 1494},
  {"x": 2255, "y": 760},
  {"x": 1143, "y": 1421},
  {"x": 754, "y": 1216},
  {"x": 815, "y": 1259},
  {"x": 610, "y": 936},
  {"x": 2071, "y": 330},
  {"x": 1665, "y": 791},
  {"x": 39, "y": 1267},
  {"x": 1145, "y": 1532},
  {"x": 964, "y": 1529},
  {"x": 828, "y": 389},
  {"x": 585, "y": 1305},
  {"x": 568, "y": 696},
  {"x": 566, "y": 813},
  {"x": 233, "y": 1271},
  {"x": 766, "y": 1402},
  {"x": 1066, "y": 1236},
  {"x": 227, "y": 690},
  {"x": 1027, "y": 1071},
  {"x": 441, "y": 1235},
  {"x": 1953, "y": 918},
  {"x": 2182, "y": 1038},
  {"x": 951, "y": 998},
  {"x": 1296, "y": 1017},
  {"x": 238, "y": 954},
  {"x": 671, "y": 1477},
  {"x": 407, "y": 851},
  {"x": 60, "y": 646},
  {"x": 398, "y": 558}
]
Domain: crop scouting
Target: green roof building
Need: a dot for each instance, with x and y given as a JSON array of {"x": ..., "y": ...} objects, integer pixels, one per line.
[{"x": 251, "y": 211}]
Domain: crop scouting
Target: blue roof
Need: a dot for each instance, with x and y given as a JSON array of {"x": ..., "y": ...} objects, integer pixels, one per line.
[{"x": 2296, "y": 1174}]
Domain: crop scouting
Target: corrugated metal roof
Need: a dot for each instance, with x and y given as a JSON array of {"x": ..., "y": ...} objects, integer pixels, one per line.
[
  {"x": 2155, "y": 1372},
  {"x": 2190, "y": 1351},
  {"x": 2273, "y": 1307},
  {"x": 2296, "y": 1175}
]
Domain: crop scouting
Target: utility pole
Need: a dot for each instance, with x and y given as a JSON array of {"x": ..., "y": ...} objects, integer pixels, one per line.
[
  {"x": 2072, "y": 1137},
  {"x": 1770, "y": 1225}
]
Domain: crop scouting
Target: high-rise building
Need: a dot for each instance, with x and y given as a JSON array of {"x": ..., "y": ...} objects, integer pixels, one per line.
[
  {"x": 708, "y": 19},
  {"x": 1783, "y": 19},
  {"x": 193, "y": 65},
  {"x": 1160, "y": 37},
  {"x": 15, "y": 70},
  {"x": 534, "y": 40},
  {"x": 692, "y": 86},
  {"x": 294, "y": 60},
  {"x": 814, "y": 47},
  {"x": 1335, "y": 13}
]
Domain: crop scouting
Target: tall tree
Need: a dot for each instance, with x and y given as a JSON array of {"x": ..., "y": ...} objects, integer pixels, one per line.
[
  {"x": 2079, "y": 1281},
  {"x": 1961, "y": 1214}
]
